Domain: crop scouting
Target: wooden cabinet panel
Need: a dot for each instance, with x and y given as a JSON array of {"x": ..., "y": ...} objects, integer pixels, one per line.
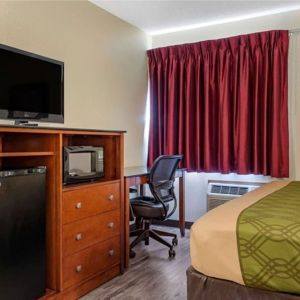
[
  {"x": 85, "y": 202},
  {"x": 95, "y": 259},
  {"x": 74, "y": 267},
  {"x": 84, "y": 233}
]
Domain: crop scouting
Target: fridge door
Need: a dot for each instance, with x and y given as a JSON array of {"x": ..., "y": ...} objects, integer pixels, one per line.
[{"x": 22, "y": 234}]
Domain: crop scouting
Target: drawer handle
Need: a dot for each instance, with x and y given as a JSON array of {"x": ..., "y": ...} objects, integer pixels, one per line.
[
  {"x": 78, "y": 205},
  {"x": 78, "y": 268},
  {"x": 78, "y": 237},
  {"x": 111, "y": 197},
  {"x": 111, "y": 252},
  {"x": 110, "y": 225}
]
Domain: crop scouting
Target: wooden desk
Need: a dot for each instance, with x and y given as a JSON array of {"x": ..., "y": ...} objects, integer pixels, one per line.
[{"x": 138, "y": 176}]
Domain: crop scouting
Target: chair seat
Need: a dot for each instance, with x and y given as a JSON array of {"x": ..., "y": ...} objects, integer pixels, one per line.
[{"x": 147, "y": 207}]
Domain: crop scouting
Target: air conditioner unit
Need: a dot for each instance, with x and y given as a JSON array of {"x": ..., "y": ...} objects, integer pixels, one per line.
[{"x": 219, "y": 192}]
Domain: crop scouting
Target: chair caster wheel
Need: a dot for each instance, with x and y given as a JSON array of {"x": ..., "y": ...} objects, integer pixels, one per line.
[
  {"x": 175, "y": 241},
  {"x": 172, "y": 253},
  {"x": 132, "y": 254}
]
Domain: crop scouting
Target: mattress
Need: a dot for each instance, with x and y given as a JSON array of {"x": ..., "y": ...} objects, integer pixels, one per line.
[
  {"x": 201, "y": 287},
  {"x": 231, "y": 241}
]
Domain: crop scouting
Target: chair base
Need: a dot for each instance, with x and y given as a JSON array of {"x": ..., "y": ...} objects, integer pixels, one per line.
[{"x": 145, "y": 233}]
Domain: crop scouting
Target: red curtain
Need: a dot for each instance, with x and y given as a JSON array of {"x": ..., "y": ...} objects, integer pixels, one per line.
[{"x": 222, "y": 104}]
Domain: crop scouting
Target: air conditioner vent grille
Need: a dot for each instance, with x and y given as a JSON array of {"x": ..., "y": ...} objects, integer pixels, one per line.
[
  {"x": 234, "y": 190},
  {"x": 220, "y": 192},
  {"x": 229, "y": 190},
  {"x": 243, "y": 190},
  {"x": 216, "y": 189}
]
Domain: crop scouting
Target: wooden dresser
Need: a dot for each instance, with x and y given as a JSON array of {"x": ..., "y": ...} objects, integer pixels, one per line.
[{"x": 85, "y": 236}]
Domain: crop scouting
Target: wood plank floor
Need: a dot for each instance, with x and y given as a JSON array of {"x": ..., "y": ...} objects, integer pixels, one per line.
[{"x": 152, "y": 275}]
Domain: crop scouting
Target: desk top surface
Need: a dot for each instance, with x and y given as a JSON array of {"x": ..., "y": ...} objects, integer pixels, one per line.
[
  {"x": 140, "y": 171},
  {"x": 136, "y": 171}
]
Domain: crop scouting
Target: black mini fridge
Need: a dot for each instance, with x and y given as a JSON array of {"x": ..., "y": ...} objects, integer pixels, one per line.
[{"x": 22, "y": 233}]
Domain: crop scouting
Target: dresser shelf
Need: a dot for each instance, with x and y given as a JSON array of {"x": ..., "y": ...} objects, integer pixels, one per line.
[{"x": 23, "y": 154}]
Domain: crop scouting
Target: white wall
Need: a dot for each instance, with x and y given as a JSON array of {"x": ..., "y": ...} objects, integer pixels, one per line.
[
  {"x": 196, "y": 184},
  {"x": 294, "y": 104},
  {"x": 105, "y": 63}
]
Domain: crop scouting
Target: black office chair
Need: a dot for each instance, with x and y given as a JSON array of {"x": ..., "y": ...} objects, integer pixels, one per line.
[{"x": 161, "y": 184}]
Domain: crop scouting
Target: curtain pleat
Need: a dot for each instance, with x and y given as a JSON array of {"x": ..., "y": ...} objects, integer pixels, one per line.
[{"x": 222, "y": 104}]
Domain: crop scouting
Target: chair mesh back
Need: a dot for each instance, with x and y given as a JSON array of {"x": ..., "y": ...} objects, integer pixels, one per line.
[
  {"x": 164, "y": 168},
  {"x": 161, "y": 177}
]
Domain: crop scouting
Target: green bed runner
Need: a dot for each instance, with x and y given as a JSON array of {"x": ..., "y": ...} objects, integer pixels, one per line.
[{"x": 268, "y": 235}]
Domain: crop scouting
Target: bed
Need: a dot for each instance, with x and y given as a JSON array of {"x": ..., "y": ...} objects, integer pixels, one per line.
[{"x": 249, "y": 248}]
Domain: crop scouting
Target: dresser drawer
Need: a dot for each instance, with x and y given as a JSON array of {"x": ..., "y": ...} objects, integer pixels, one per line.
[
  {"x": 89, "y": 231},
  {"x": 88, "y": 262},
  {"x": 85, "y": 202}
]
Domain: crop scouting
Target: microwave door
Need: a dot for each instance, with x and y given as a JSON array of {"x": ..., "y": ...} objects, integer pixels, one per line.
[
  {"x": 80, "y": 164},
  {"x": 83, "y": 163}
]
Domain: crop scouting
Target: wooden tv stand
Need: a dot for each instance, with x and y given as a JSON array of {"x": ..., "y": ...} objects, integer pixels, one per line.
[{"x": 85, "y": 239}]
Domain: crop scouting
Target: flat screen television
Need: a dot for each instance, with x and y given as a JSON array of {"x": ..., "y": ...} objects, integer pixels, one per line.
[{"x": 31, "y": 86}]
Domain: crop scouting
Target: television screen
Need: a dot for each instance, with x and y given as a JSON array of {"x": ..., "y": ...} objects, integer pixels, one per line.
[{"x": 31, "y": 86}]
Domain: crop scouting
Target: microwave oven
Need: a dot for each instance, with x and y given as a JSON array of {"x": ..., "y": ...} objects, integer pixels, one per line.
[{"x": 82, "y": 163}]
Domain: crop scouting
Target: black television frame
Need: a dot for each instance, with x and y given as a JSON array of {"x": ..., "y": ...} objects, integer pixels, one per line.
[{"x": 34, "y": 116}]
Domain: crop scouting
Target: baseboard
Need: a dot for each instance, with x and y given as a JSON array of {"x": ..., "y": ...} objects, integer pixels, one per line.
[
  {"x": 169, "y": 223},
  {"x": 172, "y": 223}
]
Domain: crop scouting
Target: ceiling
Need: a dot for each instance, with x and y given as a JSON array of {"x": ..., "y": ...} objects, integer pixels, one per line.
[{"x": 157, "y": 17}]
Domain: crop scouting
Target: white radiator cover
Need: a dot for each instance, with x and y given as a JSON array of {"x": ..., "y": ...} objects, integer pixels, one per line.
[{"x": 219, "y": 192}]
